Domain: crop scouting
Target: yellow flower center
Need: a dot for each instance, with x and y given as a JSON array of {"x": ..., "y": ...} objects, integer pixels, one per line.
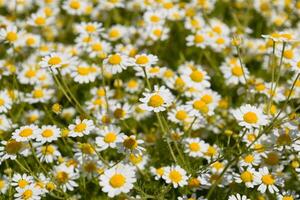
[
  {"x": 26, "y": 132},
  {"x": 97, "y": 47},
  {"x": 268, "y": 179},
  {"x": 175, "y": 176},
  {"x": 132, "y": 84},
  {"x": 220, "y": 41},
  {"x": 141, "y": 60},
  {"x": 48, "y": 150},
  {"x": 154, "y": 18},
  {"x": 246, "y": 176},
  {"x": 75, "y": 4},
  {"x": 217, "y": 29},
  {"x": 250, "y": 117},
  {"x": 110, "y": 137},
  {"x": 130, "y": 143},
  {"x": 119, "y": 113},
  {"x": 288, "y": 198},
  {"x": 38, "y": 93},
  {"x": 13, "y": 147},
  {"x": 80, "y": 127},
  {"x": 272, "y": 158},
  {"x": 157, "y": 32},
  {"x": 155, "y": 101},
  {"x": 90, "y": 167},
  {"x": 62, "y": 177},
  {"x": 114, "y": 33},
  {"x": 200, "y": 106},
  {"x": 181, "y": 115},
  {"x": 30, "y": 41},
  {"x": 2, "y": 102},
  {"x": 27, "y": 194},
  {"x": 47, "y": 133},
  {"x": 90, "y": 28},
  {"x": 288, "y": 54},
  {"x": 83, "y": 71},
  {"x": 249, "y": 159},
  {"x": 196, "y": 76},
  {"x": 160, "y": 171},
  {"x": 30, "y": 73},
  {"x": 40, "y": 21},
  {"x": 194, "y": 182},
  {"x": 22, "y": 183},
  {"x": 115, "y": 59},
  {"x": 194, "y": 146},
  {"x": 237, "y": 71},
  {"x": 117, "y": 180},
  {"x": 55, "y": 60},
  {"x": 11, "y": 36},
  {"x": 154, "y": 70},
  {"x": 135, "y": 159},
  {"x": 217, "y": 165},
  {"x": 207, "y": 98},
  {"x": 198, "y": 38},
  {"x": 2, "y": 184}
]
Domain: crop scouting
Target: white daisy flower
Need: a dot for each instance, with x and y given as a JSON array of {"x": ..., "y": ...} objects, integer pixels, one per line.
[
  {"x": 130, "y": 144},
  {"x": 266, "y": 181},
  {"x": 195, "y": 147},
  {"x": 175, "y": 175},
  {"x": 116, "y": 63},
  {"x": 109, "y": 137},
  {"x": 65, "y": 177},
  {"x": 10, "y": 34},
  {"x": 158, "y": 100},
  {"x": 48, "y": 153},
  {"x": 118, "y": 179},
  {"x": 247, "y": 177},
  {"x": 81, "y": 128},
  {"x": 91, "y": 28},
  {"x": 144, "y": 60},
  {"x": 157, "y": 172},
  {"x": 250, "y": 116},
  {"x": 30, "y": 192},
  {"x": 84, "y": 73},
  {"x": 21, "y": 180},
  {"x": 25, "y": 133},
  {"x": 54, "y": 60},
  {"x": 47, "y": 133},
  {"x": 5, "y": 102}
]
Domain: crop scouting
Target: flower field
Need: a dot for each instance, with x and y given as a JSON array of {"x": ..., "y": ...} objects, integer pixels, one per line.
[{"x": 150, "y": 99}]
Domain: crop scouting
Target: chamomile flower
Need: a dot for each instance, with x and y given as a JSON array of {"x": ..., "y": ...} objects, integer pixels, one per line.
[
  {"x": 116, "y": 63},
  {"x": 130, "y": 144},
  {"x": 74, "y": 7},
  {"x": 84, "y": 73},
  {"x": 25, "y": 133},
  {"x": 47, "y": 133},
  {"x": 109, "y": 137},
  {"x": 91, "y": 28},
  {"x": 266, "y": 181},
  {"x": 250, "y": 116},
  {"x": 157, "y": 172},
  {"x": 48, "y": 153},
  {"x": 118, "y": 179},
  {"x": 158, "y": 100},
  {"x": 81, "y": 128},
  {"x": 144, "y": 60},
  {"x": 21, "y": 180},
  {"x": 4, "y": 184},
  {"x": 53, "y": 60},
  {"x": 39, "y": 19},
  {"x": 247, "y": 177},
  {"x": 195, "y": 147},
  {"x": 179, "y": 115},
  {"x": 10, "y": 34},
  {"x": 11, "y": 148},
  {"x": 30, "y": 192},
  {"x": 65, "y": 177},
  {"x": 176, "y": 176},
  {"x": 5, "y": 102}
]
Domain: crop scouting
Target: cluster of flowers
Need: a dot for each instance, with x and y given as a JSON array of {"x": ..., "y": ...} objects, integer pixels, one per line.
[{"x": 149, "y": 99}]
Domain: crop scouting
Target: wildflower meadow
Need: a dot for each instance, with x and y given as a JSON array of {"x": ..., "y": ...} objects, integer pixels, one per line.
[{"x": 150, "y": 99}]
